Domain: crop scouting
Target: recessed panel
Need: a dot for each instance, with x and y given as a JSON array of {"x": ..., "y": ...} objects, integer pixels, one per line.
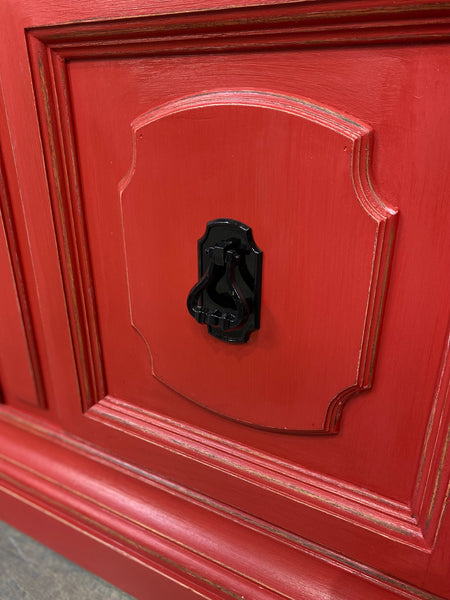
[
  {"x": 111, "y": 99},
  {"x": 17, "y": 381},
  {"x": 20, "y": 375},
  {"x": 333, "y": 489}
]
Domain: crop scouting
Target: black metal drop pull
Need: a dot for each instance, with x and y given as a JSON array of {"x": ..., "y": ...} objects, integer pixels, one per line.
[{"x": 227, "y": 297}]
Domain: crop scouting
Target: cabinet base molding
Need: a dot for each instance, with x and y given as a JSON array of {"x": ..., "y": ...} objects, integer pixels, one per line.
[{"x": 142, "y": 533}]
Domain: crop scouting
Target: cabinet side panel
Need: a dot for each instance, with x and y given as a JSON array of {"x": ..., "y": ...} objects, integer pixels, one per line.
[{"x": 20, "y": 376}]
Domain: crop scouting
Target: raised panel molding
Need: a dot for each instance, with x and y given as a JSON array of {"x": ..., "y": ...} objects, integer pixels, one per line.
[
  {"x": 416, "y": 523},
  {"x": 54, "y": 113},
  {"x": 253, "y": 28},
  {"x": 43, "y": 480},
  {"x": 21, "y": 375},
  {"x": 432, "y": 491},
  {"x": 271, "y": 475},
  {"x": 347, "y": 142},
  {"x": 292, "y": 25}
]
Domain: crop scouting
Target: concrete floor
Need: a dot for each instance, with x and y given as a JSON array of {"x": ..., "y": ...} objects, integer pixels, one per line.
[{"x": 30, "y": 571}]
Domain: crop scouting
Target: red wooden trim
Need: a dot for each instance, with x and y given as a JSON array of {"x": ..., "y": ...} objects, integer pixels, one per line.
[
  {"x": 9, "y": 219},
  {"x": 290, "y": 484},
  {"x": 105, "y": 503},
  {"x": 91, "y": 552},
  {"x": 294, "y": 25},
  {"x": 62, "y": 173},
  {"x": 256, "y": 27},
  {"x": 431, "y": 493},
  {"x": 109, "y": 38},
  {"x": 428, "y": 22},
  {"x": 358, "y": 135},
  {"x": 226, "y": 29}
]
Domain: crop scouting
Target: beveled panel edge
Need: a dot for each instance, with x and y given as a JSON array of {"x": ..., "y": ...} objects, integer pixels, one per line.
[
  {"x": 432, "y": 487},
  {"x": 55, "y": 122},
  {"x": 358, "y": 135},
  {"x": 265, "y": 473},
  {"x": 269, "y": 27},
  {"x": 7, "y": 222},
  {"x": 58, "y": 476},
  {"x": 293, "y": 25}
]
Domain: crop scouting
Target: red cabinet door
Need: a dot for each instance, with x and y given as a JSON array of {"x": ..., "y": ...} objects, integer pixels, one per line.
[{"x": 310, "y": 461}]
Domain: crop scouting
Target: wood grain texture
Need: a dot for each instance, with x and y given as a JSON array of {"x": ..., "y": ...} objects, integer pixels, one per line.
[
  {"x": 75, "y": 41},
  {"x": 279, "y": 26},
  {"x": 16, "y": 368},
  {"x": 431, "y": 493},
  {"x": 378, "y": 491},
  {"x": 67, "y": 48},
  {"x": 54, "y": 112},
  {"x": 55, "y": 480},
  {"x": 326, "y": 236},
  {"x": 21, "y": 375}
]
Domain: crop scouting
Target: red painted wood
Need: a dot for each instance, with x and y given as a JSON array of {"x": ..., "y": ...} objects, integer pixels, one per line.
[
  {"x": 304, "y": 208},
  {"x": 130, "y": 379},
  {"x": 361, "y": 513},
  {"x": 20, "y": 364},
  {"x": 89, "y": 492},
  {"x": 16, "y": 372}
]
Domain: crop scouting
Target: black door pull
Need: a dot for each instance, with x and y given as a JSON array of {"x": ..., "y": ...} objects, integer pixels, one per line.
[{"x": 227, "y": 297}]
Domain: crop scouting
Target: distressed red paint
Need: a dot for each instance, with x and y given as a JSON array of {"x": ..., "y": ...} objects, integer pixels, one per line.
[{"x": 104, "y": 402}]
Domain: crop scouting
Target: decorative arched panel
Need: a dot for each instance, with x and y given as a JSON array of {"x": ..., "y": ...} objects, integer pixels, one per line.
[{"x": 297, "y": 174}]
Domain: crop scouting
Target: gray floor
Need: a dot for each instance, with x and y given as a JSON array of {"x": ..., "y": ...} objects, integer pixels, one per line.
[{"x": 29, "y": 571}]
